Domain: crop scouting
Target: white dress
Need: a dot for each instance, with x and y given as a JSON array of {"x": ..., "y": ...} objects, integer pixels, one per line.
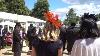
[{"x": 86, "y": 47}]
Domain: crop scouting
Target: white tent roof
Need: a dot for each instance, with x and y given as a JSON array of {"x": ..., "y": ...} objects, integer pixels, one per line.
[
  {"x": 13, "y": 16},
  {"x": 38, "y": 20},
  {"x": 10, "y": 16},
  {"x": 30, "y": 19},
  {"x": 19, "y": 18},
  {"x": 8, "y": 23},
  {"x": 22, "y": 18},
  {"x": 4, "y": 15}
]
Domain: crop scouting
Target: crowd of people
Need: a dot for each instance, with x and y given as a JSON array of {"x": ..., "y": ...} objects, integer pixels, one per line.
[
  {"x": 51, "y": 41},
  {"x": 3, "y": 35}
]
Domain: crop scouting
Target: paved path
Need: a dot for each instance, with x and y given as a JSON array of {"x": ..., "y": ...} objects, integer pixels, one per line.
[{"x": 8, "y": 52}]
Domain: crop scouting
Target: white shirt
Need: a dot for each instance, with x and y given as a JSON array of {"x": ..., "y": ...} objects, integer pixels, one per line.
[{"x": 86, "y": 47}]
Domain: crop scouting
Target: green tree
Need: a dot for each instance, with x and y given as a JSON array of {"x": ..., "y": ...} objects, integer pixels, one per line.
[
  {"x": 17, "y": 6},
  {"x": 14, "y": 6},
  {"x": 40, "y": 8},
  {"x": 71, "y": 17},
  {"x": 65, "y": 22},
  {"x": 98, "y": 16},
  {"x": 3, "y": 5}
]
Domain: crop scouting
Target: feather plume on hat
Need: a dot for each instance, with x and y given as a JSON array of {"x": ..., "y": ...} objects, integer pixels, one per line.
[
  {"x": 49, "y": 16},
  {"x": 52, "y": 26}
]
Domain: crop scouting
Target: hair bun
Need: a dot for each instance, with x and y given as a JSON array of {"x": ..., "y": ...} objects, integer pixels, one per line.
[
  {"x": 92, "y": 16},
  {"x": 89, "y": 20},
  {"x": 89, "y": 17}
]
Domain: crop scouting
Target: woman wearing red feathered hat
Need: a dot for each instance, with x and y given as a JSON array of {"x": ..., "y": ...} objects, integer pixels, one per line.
[{"x": 50, "y": 45}]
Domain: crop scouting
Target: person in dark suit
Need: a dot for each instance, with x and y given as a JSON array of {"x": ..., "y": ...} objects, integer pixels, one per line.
[
  {"x": 4, "y": 32},
  {"x": 71, "y": 36},
  {"x": 17, "y": 40},
  {"x": 63, "y": 36},
  {"x": 29, "y": 36}
]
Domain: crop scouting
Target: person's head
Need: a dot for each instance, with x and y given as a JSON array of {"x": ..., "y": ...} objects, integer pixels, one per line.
[
  {"x": 18, "y": 25},
  {"x": 88, "y": 28},
  {"x": 72, "y": 24},
  {"x": 31, "y": 25}
]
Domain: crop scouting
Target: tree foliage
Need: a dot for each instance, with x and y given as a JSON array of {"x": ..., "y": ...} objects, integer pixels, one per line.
[
  {"x": 98, "y": 16},
  {"x": 3, "y": 5},
  {"x": 14, "y": 6},
  {"x": 40, "y": 8},
  {"x": 71, "y": 17}
]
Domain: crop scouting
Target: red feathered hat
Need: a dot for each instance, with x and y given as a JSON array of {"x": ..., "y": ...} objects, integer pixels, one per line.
[{"x": 52, "y": 19}]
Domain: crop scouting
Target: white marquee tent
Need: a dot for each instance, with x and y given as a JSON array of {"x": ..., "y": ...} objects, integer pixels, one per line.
[
  {"x": 10, "y": 19},
  {"x": 8, "y": 23},
  {"x": 19, "y": 18},
  {"x": 8, "y": 16}
]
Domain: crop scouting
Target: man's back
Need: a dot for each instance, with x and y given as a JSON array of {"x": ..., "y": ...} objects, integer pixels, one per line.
[
  {"x": 72, "y": 32},
  {"x": 71, "y": 36}
]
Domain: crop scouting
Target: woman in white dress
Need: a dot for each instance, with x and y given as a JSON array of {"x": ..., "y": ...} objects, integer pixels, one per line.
[{"x": 88, "y": 43}]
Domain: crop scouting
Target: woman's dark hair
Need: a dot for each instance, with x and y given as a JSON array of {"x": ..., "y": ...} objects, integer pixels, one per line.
[{"x": 88, "y": 28}]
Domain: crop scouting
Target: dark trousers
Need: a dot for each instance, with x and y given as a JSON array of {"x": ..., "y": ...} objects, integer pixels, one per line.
[
  {"x": 17, "y": 53},
  {"x": 17, "y": 48},
  {"x": 30, "y": 45},
  {"x": 64, "y": 44},
  {"x": 2, "y": 42},
  {"x": 69, "y": 45}
]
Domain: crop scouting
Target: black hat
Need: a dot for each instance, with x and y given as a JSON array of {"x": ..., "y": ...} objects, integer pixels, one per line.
[
  {"x": 31, "y": 24},
  {"x": 86, "y": 15},
  {"x": 92, "y": 16},
  {"x": 18, "y": 24},
  {"x": 89, "y": 21}
]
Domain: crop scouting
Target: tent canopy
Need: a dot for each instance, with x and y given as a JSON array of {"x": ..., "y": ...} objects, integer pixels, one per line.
[
  {"x": 9, "y": 16},
  {"x": 19, "y": 18},
  {"x": 8, "y": 23}
]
